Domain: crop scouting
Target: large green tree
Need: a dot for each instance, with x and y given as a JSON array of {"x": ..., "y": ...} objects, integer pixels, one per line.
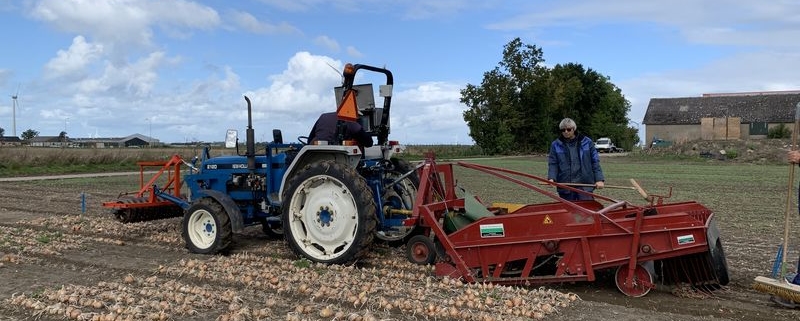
[
  {"x": 2, "y": 132},
  {"x": 518, "y": 105},
  {"x": 28, "y": 134}
]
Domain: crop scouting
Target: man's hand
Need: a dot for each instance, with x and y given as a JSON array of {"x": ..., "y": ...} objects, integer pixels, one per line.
[
  {"x": 794, "y": 156},
  {"x": 599, "y": 184}
]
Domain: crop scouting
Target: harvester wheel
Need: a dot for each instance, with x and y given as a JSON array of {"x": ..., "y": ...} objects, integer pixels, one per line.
[
  {"x": 399, "y": 196},
  {"x": 420, "y": 250},
  {"x": 206, "y": 227},
  {"x": 717, "y": 254},
  {"x": 328, "y": 213},
  {"x": 642, "y": 281}
]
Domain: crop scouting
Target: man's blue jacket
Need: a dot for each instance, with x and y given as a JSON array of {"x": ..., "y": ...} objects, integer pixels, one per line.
[{"x": 558, "y": 162}]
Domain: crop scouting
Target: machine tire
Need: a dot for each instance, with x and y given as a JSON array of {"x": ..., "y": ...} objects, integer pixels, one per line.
[
  {"x": 206, "y": 227},
  {"x": 272, "y": 232},
  {"x": 401, "y": 195},
  {"x": 640, "y": 273},
  {"x": 421, "y": 250},
  {"x": 328, "y": 213},
  {"x": 717, "y": 255},
  {"x": 719, "y": 263}
]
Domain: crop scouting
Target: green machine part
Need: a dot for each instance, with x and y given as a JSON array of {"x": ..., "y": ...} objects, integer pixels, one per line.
[{"x": 473, "y": 211}]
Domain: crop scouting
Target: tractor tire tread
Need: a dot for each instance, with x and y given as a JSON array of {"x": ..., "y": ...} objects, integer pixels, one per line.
[
  {"x": 362, "y": 193},
  {"x": 224, "y": 230}
]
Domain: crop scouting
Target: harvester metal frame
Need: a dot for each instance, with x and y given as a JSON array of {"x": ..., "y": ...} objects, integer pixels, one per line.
[{"x": 563, "y": 241}]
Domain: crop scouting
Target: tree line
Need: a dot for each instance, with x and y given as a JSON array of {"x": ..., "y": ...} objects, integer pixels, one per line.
[
  {"x": 30, "y": 134},
  {"x": 519, "y": 103}
]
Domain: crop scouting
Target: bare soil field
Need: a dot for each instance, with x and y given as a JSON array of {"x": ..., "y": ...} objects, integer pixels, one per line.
[{"x": 59, "y": 263}]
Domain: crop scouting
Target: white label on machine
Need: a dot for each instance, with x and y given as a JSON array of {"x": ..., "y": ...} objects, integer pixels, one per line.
[
  {"x": 685, "y": 239},
  {"x": 493, "y": 230}
]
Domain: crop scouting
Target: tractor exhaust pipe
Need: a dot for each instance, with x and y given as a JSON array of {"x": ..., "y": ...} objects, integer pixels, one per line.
[{"x": 251, "y": 142}]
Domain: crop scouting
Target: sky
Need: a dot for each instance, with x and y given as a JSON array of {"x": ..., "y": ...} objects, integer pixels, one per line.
[{"x": 177, "y": 70}]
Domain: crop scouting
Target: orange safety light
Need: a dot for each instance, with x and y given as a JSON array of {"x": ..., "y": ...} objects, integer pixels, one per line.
[
  {"x": 348, "y": 110},
  {"x": 350, "y": 142},
  {"x": 349, "y": 69}
]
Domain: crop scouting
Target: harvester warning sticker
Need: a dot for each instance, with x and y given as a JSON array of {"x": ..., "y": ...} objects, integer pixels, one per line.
[
  {"x": 685, "y": 239},
  {"x": 493, "y": 230},
  {"x": 547, "y": 220}
]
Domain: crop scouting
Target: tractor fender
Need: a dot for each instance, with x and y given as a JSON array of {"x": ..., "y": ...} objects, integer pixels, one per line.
[
  {"x": 349, "y": 155},
  {"x": 235, "y": 215}
]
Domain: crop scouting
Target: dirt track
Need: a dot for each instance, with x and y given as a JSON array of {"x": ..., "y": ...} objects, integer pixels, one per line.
[{"x": 53, "y": 254}]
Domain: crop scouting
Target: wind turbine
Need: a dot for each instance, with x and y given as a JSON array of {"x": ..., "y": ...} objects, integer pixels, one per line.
[{"x": 14, "y": 111}]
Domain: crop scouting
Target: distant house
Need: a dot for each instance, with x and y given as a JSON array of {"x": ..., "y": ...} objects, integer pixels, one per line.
[
  {"x": 10, "y": 141},
  {"x": 719, "y": 116},
  {"x": 135, "y": 140},
  {"x": 47, "y": 141}
]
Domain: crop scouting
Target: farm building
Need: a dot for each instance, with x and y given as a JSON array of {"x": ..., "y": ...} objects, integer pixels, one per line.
[
  {"x": 135, "y": 140},
  {"x": 728, "y": 116},
  {"x": 10, "y": 141},
  {"x": 48, "y": 141}
]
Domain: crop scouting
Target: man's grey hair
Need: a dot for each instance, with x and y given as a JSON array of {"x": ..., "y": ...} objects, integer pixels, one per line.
[{"x": 567, "y": 123}]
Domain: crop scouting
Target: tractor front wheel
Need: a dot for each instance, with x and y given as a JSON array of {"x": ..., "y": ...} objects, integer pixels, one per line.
[
  {"x": 206, "y": 227},
  {"x": 328, "y": 213}
]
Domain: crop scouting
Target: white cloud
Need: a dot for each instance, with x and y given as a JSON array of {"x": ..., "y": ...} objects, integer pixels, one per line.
[
  {"x": 294, "y": 5},
  {"x": 327, "y": 43},
  {"x": 305, "y": 87},
  {"x": 72, "y": 62},
  {"x": 734, "y": 22},
  {"x": 430, "y": 113},
  {"x": 5, "y": 75},
  {"x": 441, "y": 9},
  {"x": 296, "y": 96},
  {"x": 353, "y": 52},
  {"x": 247, "y": 21},
  {"x": 731, "y": 74},
  {"x": 123, "y": 22}
]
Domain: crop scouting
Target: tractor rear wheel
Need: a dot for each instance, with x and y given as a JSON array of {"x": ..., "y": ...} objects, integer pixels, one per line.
[
  {"x": 206, "y": 227},
  {"x": 399, "y": 196},
  {"x": 328, "y": 213}
]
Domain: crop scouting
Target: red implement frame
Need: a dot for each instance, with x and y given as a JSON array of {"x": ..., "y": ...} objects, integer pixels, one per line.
[
  {"x": 560, "y": 241},
  {"x": 146, "y": 196}
]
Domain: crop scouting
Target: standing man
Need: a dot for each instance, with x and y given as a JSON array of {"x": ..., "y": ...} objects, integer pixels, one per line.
[
  {"x": 794, "y": 278},
  {"x": 573, "y": 159}
]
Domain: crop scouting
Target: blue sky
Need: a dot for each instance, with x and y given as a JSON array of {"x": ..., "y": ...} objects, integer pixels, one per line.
[{"x": 177, "y": 69}]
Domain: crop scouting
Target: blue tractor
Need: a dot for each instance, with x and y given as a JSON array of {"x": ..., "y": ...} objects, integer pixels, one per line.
[{"x": 329, "y": 200}]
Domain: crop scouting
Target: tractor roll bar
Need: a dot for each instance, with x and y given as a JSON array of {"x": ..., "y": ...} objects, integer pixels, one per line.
[{"x": 349, "y": 75}]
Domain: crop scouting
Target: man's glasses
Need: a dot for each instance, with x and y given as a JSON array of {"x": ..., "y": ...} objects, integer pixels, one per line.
[{"x": 566, "y": 130}]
